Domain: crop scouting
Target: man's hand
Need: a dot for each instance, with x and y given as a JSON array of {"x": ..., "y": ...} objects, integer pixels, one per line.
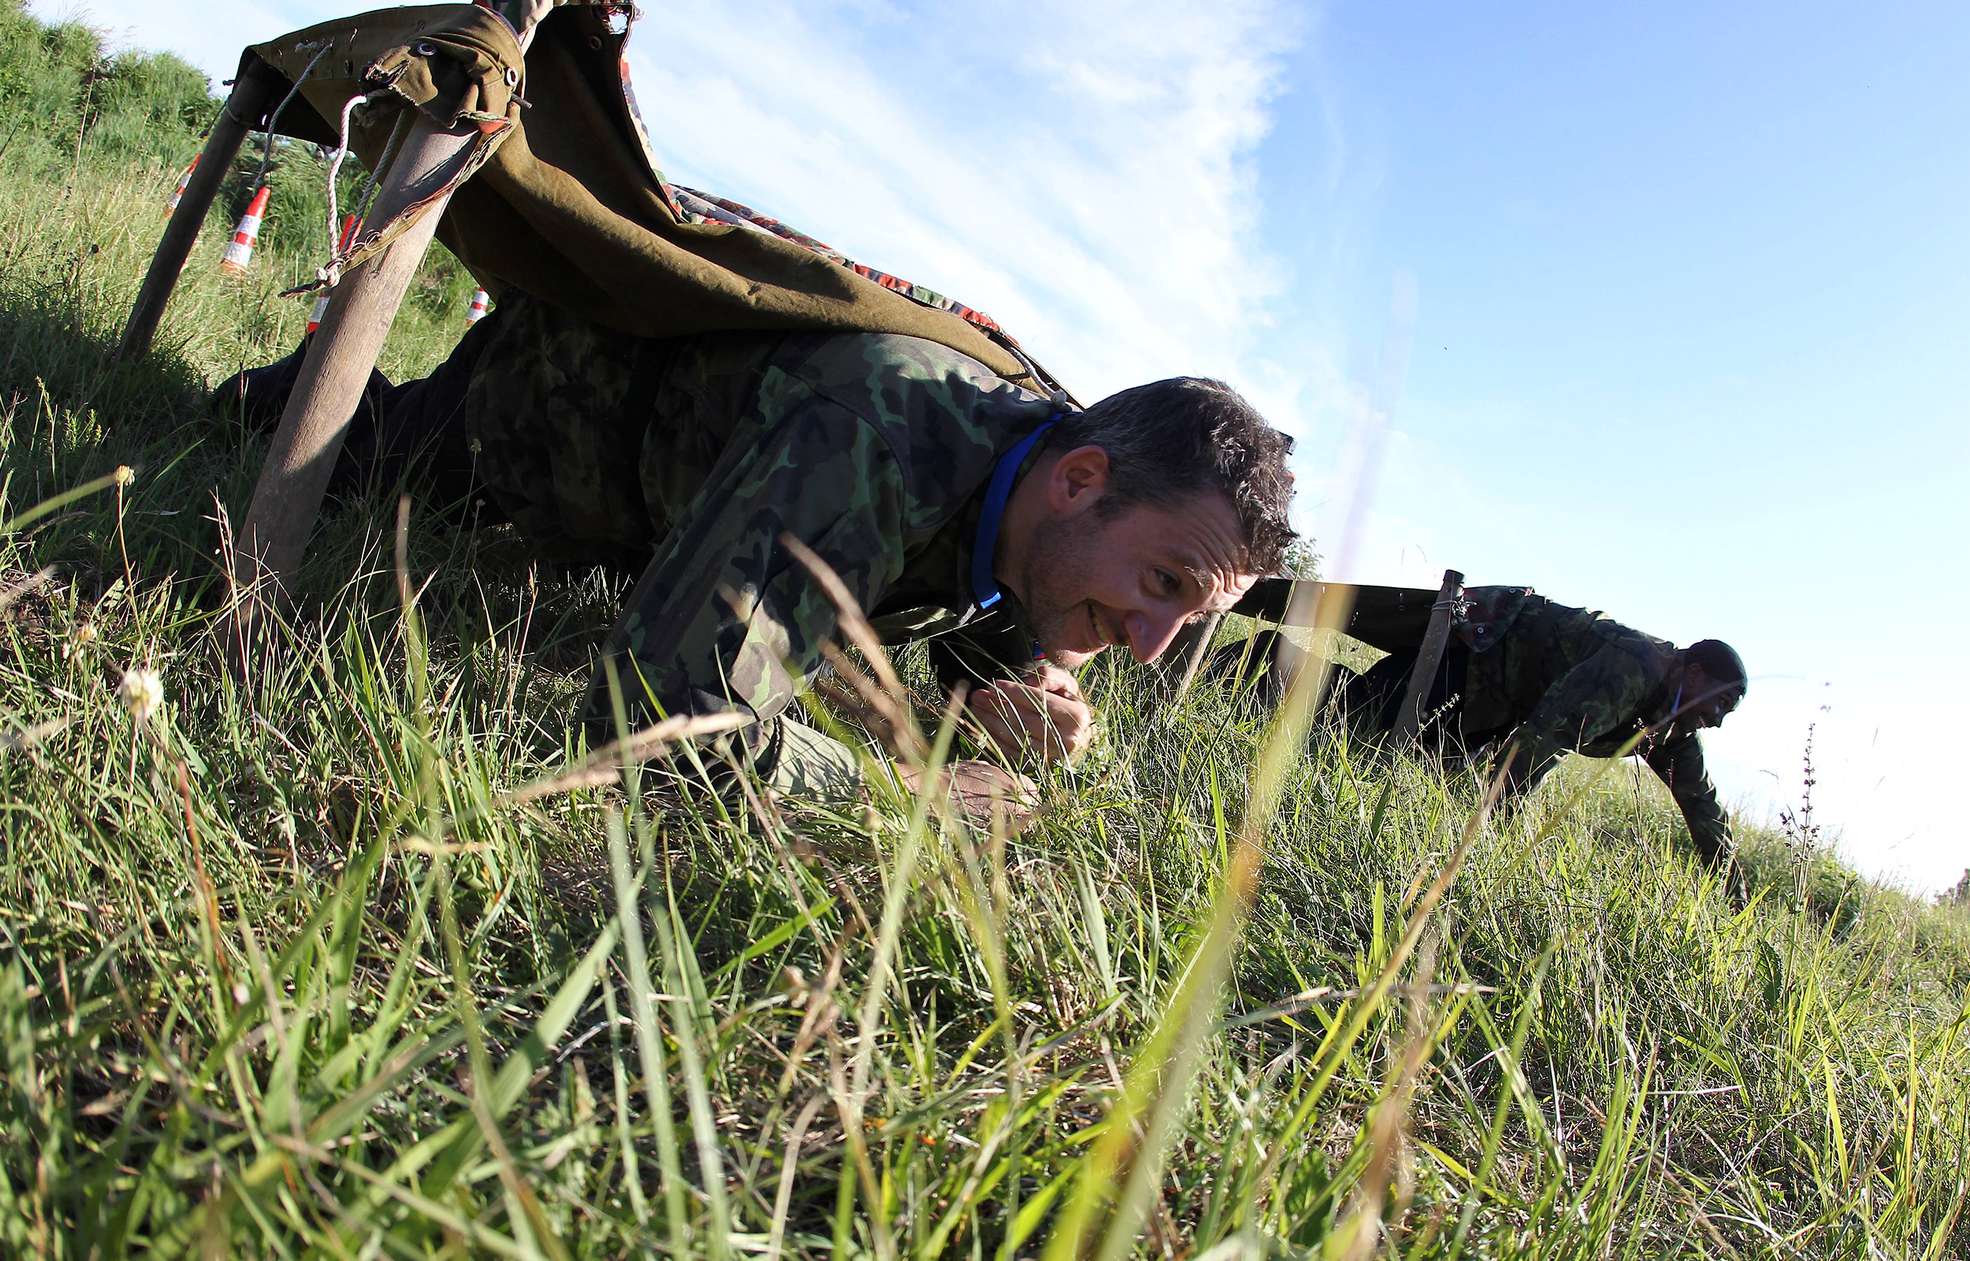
[
  {"x": 983, "y": 794},
  {"x": 1042, "y": 710}
]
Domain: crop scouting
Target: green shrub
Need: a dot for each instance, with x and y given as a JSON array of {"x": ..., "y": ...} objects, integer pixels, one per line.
[
  {"x": 43, "y": 71},
  {"x": 150, "y": 106}
]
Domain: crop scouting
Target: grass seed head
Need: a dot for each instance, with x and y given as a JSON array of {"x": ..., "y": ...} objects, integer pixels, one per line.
[{"x": 142, "y": 692}]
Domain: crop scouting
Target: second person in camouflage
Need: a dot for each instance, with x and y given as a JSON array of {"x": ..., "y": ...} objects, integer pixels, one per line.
[{"x": 1535, "y": 679}]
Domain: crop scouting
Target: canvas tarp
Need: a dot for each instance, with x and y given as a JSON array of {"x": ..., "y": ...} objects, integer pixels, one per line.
[{"x": 566, "y": 202}]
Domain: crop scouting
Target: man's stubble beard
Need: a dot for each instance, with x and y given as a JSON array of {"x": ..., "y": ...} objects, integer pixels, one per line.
[{"x": 1054, "y": 567}]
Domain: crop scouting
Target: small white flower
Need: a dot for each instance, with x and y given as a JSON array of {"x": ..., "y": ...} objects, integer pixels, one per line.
[
  {"x": 142, "y": 692},
  {"x": 125, "y": 475}
]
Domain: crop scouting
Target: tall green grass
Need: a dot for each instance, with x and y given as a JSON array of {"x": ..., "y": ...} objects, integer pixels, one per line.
[{"x": 360, "y": 958}]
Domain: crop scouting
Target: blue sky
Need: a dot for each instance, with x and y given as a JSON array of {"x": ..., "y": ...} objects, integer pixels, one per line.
[
  {"x": 1689, "y": 346},
  {"x": 1659, "y": 310}
]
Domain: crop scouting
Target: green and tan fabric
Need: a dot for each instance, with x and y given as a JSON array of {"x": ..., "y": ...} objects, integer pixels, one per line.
[{"x": 567, "y": 202}]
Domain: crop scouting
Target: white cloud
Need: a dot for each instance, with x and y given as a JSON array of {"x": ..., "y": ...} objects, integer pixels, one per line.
[
  {"x": 1085, "y": 174},
  {"x": 1881, "y": 778}
]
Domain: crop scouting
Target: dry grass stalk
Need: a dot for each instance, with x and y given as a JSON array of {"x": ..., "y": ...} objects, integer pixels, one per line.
[{"x": 604, "y": 765}]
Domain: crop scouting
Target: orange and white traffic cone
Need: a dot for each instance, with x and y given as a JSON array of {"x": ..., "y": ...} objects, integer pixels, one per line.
[
  {"x": 184, "y": 181},
  {"x": 477, "y": 311},
  {"x": 321, "y": 303},
  {"x": 239, "y": 254}
]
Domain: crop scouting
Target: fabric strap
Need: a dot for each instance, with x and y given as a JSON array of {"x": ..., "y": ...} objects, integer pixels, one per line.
[{"x": 985, "y": 544}]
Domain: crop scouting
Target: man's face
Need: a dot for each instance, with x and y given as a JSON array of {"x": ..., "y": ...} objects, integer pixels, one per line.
[
  {"x": 1132, "y": 579},
  {"x": 1706, "y": 702}
]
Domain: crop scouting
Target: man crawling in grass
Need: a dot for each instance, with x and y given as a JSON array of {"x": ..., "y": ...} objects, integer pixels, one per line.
[
  {"x": 1529, "y": 680},
  {"x": 1019, "y": 537}
]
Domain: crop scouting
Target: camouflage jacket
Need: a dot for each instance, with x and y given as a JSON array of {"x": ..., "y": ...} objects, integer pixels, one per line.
[
  {"x": 689, "y": 458},
  {"x": 1557, "y": 678}
]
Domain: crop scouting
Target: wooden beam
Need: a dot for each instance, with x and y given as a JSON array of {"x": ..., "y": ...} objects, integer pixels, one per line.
[
  {"x": 1199, "y": 648},
  {"x": 240, "y": 114},
  {"x": 340, "y": 356},
  {"x": 1408, "y": 719}
]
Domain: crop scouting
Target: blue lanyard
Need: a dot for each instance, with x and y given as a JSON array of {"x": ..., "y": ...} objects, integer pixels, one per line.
[{"x": 985, "y": 544}]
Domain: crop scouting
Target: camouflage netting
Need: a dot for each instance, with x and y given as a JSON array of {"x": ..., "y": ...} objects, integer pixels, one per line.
[{"x": 564, "y": 199}]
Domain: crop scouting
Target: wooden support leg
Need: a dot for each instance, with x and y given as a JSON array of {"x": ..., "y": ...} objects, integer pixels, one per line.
[
  {"x": 1196, "y": 641},
  {"x": 240, "y": 115},
  {"x": 288, "y": 498},
  {"x": 1410, "y": 717}
]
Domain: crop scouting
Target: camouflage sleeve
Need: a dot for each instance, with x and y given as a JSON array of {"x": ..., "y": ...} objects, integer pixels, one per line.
[
  {"x": 1679, "y": 763},
  {"x": 1589, "y": 701},
  {"x": 725, "y": 618}
]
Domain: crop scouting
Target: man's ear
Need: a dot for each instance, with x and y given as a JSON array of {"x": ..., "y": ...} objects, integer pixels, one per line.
[{"x": 1077, "y": 481}]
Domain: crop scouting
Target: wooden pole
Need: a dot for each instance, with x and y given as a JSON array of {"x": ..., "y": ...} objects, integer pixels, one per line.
[
  {"x": 1201, "y": 634},
  {"x": 288, "y": 498},
  {"x": 240, "y": 114},
  {"x": 1410, "y": 717}
]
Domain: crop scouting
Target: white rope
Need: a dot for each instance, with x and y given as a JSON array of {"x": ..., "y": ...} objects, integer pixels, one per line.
[
  {"x": 334, "y": 168},
  {"x": 331, "y": 273}
]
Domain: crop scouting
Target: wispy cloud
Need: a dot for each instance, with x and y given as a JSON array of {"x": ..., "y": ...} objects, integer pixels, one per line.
[{"x": 1086, "y": 174}]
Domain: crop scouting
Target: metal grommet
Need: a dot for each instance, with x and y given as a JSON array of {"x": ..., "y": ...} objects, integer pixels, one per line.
[
  {"x": 512, "y": 77},
  {"x": 425, "y": 48},
  {"x": 595, "y": 41}
]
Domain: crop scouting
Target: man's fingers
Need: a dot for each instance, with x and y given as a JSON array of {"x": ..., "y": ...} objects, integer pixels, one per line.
[
  {"x": 1016, "y": 714},
  {"x": 1035, "y": 709},
  {"x": 1051, "y": 678}
]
